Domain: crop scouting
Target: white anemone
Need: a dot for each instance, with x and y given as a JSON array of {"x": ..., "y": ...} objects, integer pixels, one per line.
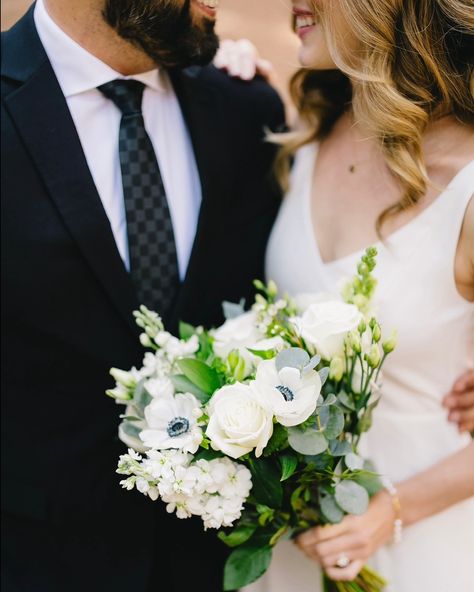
[{"x": 291, "y": 396}]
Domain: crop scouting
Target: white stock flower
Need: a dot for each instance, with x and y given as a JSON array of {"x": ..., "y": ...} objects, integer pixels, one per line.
[
  {"x": 172, "y": 423},
  {"x": 159, "y": 387},
  {"x": 291, "y": 396},
  {"x": 238, "y": 422},
  {"x": 324, "y": 325}
]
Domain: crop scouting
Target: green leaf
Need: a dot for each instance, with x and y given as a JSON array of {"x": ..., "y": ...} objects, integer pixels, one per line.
[
  {"x": 186, "y": 331},
  {"x": 329, "y": 400},
  {"x": 347, "y": 400},
  {"x": 338, "y": 448},
  {"x": 332, "y": 420},
  {"x": 130, "y": 429},
  {"x": 309, "y": 442},
  {"x": 278, "y": 441},
  {"x": 245, "y": 565},
  {"x": 239, "y": 535},
  {"x": 182, "y": 384},
  {"x": 267, "y": 354},
  {"x": 267, "y": 488},
  {"x": 141, "y": 396},
  {"x": 209, "y": 454},
  {"x": 288, "y": 466},
  {"x": 200, "y": 374},
  {"x": 329, "y": 508},
  {"x": 352, "y": 497},
  {"x": 354, "y": 462}
]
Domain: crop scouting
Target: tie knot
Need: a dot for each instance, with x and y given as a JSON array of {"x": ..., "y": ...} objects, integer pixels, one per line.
[{"x": 126, "y": 94}]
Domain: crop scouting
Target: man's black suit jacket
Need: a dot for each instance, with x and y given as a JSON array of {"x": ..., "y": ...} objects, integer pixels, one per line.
[{"x": 67, "y": 305}]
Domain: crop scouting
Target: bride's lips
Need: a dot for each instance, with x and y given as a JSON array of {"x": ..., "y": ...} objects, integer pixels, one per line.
[
  {"x": 208, "y": 7},
  {"x": 305, "y": 22}
]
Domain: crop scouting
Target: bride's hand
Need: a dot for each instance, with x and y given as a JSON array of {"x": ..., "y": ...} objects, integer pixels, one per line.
[
  {"x": 355, "y": 538},
  {"x": 241, "y": 60},
  {"x": 460, "y": 402}
]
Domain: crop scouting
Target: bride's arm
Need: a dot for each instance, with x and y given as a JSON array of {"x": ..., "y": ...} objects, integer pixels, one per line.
[{"x": 358, "y": 537}]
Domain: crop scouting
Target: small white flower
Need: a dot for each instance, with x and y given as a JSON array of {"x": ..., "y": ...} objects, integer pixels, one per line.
[
  {"x": 291, "y": 396},
  {"x": 238, "y": 422},
  {"x": 238, "y": 333},
  {"x": 172, "y": 424},
  {"x": 324, "y": 325},
  {"x": 159, "y": 387},
  {"x": 142, "y": 485}
]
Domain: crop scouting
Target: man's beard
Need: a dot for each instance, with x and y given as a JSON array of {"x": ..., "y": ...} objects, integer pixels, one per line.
[{"x": 164, "y": 30}]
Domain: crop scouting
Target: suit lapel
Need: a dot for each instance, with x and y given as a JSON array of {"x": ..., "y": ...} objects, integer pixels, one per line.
[
  {"x": 42, "y": 117},
  {"x": 202, "y": 110}
]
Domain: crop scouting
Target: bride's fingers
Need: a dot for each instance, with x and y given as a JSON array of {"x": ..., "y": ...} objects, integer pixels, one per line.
[
  {"x": 353, "y": 545},
  {"x": 323, "y": 533},
  {"x": 346, "y": 574}
]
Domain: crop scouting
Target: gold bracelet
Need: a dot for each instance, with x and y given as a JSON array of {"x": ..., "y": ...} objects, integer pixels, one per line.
[{"x": 397, "y": 508}]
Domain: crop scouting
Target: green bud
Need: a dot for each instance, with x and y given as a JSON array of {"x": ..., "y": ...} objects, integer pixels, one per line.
[
  {"x": 233, "y": 359},
  {"x": 376, "y": 333},
  {"x": 259, "y": 285},
  {"x": 361, "y": 301},
  {"x": 363, "y": 268},
  {"x": 372, "y": 323},
  {"x": 374, "y": 357},
  {"x": 354, "y": 342},
  {"x": 145, "y": 340},
  {"x": 272, "y": 289},
  {"x": 336, "y": 369},
  {"x": 259, "y": 299},
  {"x": 362, "y": 327},
  {"x": 123, "y": 378},
  {"x": 390, "y": 344}
]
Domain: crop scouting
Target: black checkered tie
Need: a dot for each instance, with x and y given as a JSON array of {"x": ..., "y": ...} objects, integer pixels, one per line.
[{"x": 151, "y": 243}]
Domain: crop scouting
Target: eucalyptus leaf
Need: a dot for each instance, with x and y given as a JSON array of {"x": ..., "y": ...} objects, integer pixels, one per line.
[
  {"x": 369, "y": 481},
  {"x": 309, "y": 442},
  {"x": 130, "y": 418},
  {"x": 354, "y": 462},
  {"x": 352, "y": 497},
  {"x": 329, "y": 508},
  {"x": 335, "y": 423},
  {"x": 347, "y": 400},
  {"x": 182, "y": 384},
  {"x": 339, "y": 448},
  {"x": 233, "y": 310},
  {"x": 239, "y": 535},
  {"x": 141, "y": 397},
  {"x": 200, "y": 374},
  {"x": 329, "y": 400},
  {"x": 311, "y": 365},
  {"x": 288, "y": 466},
  {"x": 323, "y": 375},
  {"x": 130, "y": 429},
  {"x": 294, "y": 357},
  {"x": 245, "y": 565}
]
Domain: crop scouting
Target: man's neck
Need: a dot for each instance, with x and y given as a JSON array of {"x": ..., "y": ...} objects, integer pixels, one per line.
[{"x": 83, "y": 22}]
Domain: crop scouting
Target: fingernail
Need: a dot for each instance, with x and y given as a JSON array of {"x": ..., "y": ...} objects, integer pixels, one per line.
[{"x": 454, "y": 416}]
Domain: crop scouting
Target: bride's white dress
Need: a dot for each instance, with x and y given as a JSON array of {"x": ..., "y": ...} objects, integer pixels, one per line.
[{"x": 417, "y": 296}]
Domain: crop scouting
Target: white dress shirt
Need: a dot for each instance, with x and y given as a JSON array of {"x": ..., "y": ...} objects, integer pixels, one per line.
[{"x": 97, "y": 121}]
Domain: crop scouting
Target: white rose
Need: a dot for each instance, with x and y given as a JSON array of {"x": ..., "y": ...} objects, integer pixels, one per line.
[
  {"x": 237, "y": 333},
  {"x": 324, "y": 325},
  {"x": 238, "y": 423},
  {"x": 291, "y": 396},
  {"x": 305, "y": 299}
]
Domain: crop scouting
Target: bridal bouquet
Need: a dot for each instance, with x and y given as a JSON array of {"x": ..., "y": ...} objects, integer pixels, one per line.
[{"x": 254, "y": 426}]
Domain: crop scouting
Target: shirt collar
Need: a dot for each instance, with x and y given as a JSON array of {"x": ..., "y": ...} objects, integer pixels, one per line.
[{"x": 76, "y": 69}]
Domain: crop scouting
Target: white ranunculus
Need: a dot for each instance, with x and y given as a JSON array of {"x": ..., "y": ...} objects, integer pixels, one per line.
[
  {"x": 237, "y": 333},
  {"x": 291, "y": 396},
  {"x": 238, "y": 422},
  {"x": 324, "y": 325},
  {"x": 172, "y": 423}
]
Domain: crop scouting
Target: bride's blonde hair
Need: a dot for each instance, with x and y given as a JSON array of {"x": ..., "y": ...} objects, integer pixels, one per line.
[{"x": 415, "y": 65}]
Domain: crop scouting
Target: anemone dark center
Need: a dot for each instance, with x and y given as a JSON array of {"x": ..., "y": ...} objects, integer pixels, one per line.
[
  {"x": 178, "y": 426},
  {"x": 286, "y": 392}
]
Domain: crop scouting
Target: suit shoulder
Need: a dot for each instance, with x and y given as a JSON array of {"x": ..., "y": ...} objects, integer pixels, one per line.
[{"x": 254, "y": 97}]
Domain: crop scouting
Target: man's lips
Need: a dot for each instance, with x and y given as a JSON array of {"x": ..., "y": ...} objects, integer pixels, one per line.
[{"x": 208, "y": 7}]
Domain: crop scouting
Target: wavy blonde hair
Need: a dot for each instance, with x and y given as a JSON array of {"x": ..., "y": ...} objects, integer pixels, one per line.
[{"x": 415, "y": 65}]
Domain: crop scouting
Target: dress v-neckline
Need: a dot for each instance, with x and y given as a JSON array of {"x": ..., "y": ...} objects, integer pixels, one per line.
[{"x": 379, "y": 244}]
